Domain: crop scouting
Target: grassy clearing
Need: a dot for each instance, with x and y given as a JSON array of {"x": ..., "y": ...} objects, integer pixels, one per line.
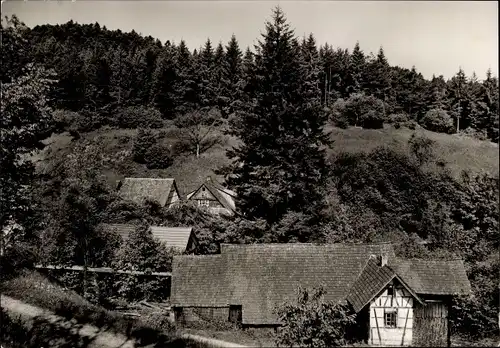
[
  {"x": 459, "y": 152},
  {"x": 33, "y": 288}
]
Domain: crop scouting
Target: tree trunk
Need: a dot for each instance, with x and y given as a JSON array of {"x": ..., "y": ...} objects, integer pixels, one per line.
[
  {"x": 85, "y": 265},
  {"x": 197, "y": 150}
]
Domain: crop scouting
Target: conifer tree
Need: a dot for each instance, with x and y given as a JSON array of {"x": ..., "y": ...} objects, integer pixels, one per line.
[
  {"x": 185, "y": 86},
  {"x": 205, "y": 76},
  {"x": 165, "y": 79},
  {"x": 279, "y": 167},
  {"x": 232, "y": 77},
  {"x": 357, "y": 68}
]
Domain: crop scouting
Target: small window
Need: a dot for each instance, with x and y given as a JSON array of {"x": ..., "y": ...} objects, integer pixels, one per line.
[
  {"x": 203, "y": 203},
  {"x": 391, "y": 318},
  {"x": 390, "y": 291}
]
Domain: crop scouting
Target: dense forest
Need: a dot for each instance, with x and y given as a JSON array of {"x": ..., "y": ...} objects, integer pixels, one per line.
[{"x": 276, "y": 99}]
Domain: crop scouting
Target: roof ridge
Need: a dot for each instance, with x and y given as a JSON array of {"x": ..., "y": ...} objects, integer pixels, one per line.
[{"x": 149, "y": 179}]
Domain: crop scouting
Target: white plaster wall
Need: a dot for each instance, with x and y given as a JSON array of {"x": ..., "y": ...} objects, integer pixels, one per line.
[{"x": 392, "y": 336}]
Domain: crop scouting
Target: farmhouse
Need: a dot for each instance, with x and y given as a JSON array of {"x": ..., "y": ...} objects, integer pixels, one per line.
[
  {"x": 397, "y": 302},
  {"x": 180, "y": 238},
  {"x": 214, "y": 197},
  {"x": 163, "y": 191}
]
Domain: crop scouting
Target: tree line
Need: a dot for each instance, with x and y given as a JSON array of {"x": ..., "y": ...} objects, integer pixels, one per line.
[{"x": 100, "y": 70}]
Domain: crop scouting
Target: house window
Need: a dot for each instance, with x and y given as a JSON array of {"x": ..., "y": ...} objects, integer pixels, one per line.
[
  {"x": 390, "y": 317},
  {"x": 390, "y": 291},
  {"x": 204, "y": 203}
]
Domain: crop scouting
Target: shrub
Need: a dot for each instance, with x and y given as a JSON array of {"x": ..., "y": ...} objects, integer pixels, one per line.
[
  {"x": 312, "y": 322},
  {"x": 148, "y": 150},
  {"x": 159, "y": 157},
  {"x": 373, "y": 119},
  {"x": 137, "y": 116},
  {"x": 437, "y": 120},
  {"x": 64, "y": 119}
]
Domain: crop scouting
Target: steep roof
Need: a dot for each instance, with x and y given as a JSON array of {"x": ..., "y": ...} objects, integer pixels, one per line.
[
  {"x": 176, "y": 237},
  {"x": 372, "y": 280},
  {"x": 199, "y": 281},
  {"x": 223, "y": 195},
  {"x": 433, "y": 277},
  {"x": 140, "y": 189},
  {"x": 261, "y": 276}
]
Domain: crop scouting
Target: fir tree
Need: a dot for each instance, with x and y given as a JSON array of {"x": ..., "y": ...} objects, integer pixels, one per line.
[
  {"x": 279, "y": 167},
  {"x": 357, "y": 68}
]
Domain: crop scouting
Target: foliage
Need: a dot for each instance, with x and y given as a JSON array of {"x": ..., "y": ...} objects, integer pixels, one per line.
[
  {"x": 313, "y": 322},
  {"x": 197, "y": 129},
  {"x": 360, "y": 110},
  {"x": 149, "y": 149},
  {"x": 279, "y": 165},
  {"x": 438, "y": 121},
  {"x": 137, "y": 117},
  {"x": 141, "y": 252}
]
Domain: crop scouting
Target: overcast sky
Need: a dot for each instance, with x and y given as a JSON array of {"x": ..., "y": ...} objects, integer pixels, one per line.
[{"x": 436, "y": 37}]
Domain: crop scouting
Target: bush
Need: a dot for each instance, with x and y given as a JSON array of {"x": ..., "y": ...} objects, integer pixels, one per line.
[
  {"x": 64, "y": 119},
  {"x": 373, "y": 119},
  {"x": 437, "y": 120},
  {"x": 137, "y": 116},
  {"x": 158, "y": 157},
  {"x": 148, "y": 150},
  {"x": 87, "y": 121},
  {"x": 314, "y": 323}
]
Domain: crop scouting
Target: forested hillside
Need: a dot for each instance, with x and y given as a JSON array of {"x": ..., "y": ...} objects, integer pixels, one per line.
[{"x": 321, "y": 145}]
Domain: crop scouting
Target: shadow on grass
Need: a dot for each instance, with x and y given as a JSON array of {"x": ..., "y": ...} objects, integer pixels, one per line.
[{"x": 41, "y": 333}]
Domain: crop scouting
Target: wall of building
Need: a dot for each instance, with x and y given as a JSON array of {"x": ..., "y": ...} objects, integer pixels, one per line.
[
  {"x": 431, "y": 327},
  {"x": 400, "y": 302},
  {"x": 199, "y": 314}
]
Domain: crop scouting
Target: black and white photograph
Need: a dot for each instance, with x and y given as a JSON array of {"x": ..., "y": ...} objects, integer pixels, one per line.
[{"x": 249, "y": 173}]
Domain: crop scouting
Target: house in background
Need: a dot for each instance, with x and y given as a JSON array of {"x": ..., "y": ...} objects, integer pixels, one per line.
[
  {"x": 397, "y": 302},
  {"x": 214, "y": 197},
  {"x": 180, "y": 238},
  {"x": 163, "y": 191}
]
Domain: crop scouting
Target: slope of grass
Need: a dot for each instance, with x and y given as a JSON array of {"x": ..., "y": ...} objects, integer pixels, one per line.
[
  {"x": 458, "y": 152},
  {"x": 33, "y": 288}
]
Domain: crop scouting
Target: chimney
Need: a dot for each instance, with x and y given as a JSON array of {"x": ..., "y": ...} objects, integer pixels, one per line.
[{"x": 383, "y": 259}]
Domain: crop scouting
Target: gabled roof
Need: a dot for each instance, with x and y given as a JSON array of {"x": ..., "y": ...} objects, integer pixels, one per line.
[
  {"x": 199, "y": 281},
  {"x": 261, "y": 276},
  {"x": 433, "y": 277},
  {"x": 372, "y": 280},
  {"x": 223, "y": 195},
  {"x": 175, "y": 237},
  {"x": 140, "y": 189}
]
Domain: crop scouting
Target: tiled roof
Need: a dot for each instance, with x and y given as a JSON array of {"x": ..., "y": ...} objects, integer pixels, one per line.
[
  {"x": 262, "y": 276},
  {"x": 221, "y": 194},
  {"x": 433, "y": 277},
  {"x": 140, "y": 189},
  {"x": 370, "y": 282},
  {"x": 199, "y": 281},
  {"x": 176, "y": 237}
]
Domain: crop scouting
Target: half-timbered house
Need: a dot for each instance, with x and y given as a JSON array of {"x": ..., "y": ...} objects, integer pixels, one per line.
[
  {"x": 214, "y": 197},
  {"x": 397, "y": 302}
]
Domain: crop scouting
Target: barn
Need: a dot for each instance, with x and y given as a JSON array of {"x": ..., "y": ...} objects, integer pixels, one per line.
[
  {"x": 214, "y": 197},
  {"x": 397, "y": 302}
]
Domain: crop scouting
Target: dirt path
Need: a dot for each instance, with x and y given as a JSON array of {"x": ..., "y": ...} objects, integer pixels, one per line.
[{"x": 89, "y": 333}]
